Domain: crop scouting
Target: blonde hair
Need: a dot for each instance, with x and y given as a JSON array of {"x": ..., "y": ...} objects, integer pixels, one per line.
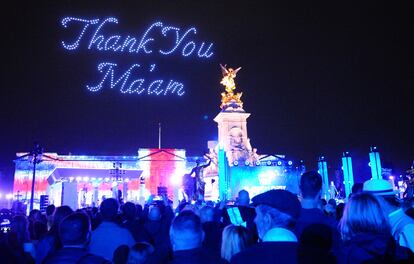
[
  {"x": 363, "y": 214},
  {"x": 234, "y": 240}
]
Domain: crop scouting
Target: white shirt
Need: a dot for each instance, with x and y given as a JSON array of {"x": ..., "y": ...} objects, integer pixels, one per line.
[
  {"x": 279, "y": 234},
  {"x": 402, "y": 228}
]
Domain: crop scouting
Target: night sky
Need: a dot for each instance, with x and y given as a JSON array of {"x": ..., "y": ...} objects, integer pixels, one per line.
[{"x": 318, "y": 78}]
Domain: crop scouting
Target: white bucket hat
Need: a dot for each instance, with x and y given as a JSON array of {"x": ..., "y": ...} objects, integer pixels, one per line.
[{"x": 379, "y": 187}]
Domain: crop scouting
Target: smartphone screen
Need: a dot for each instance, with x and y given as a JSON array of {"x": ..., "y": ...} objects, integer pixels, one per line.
[{"x": 235, "y": 216}]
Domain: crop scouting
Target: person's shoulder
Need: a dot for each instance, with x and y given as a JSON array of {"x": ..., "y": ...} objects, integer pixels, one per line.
[
  {"x": 316, "y": 215},
  {"x": 265, "y": 251},
  {"x": 246, "y": 256},
  {"x": 93, "y": 259}
]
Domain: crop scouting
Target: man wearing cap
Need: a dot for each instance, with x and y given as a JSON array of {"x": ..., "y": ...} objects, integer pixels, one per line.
[
  {"x": 276, "y": 215},
  {"x": 402, "y": 226}
]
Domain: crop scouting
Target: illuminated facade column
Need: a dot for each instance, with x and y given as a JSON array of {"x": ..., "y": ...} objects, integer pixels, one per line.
[
  {"x": 323, "y": 170},
  {"x": 375, "y": 163},
  {"x": 125, "y": 191},
  {"x": 223, "y": 175},
  {"x": 95, "y": 185},
  {"x": 348, "y": 173}
]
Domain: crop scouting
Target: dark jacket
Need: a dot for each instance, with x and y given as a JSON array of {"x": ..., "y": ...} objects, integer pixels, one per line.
[
  {"x": 268, "y": 252},
  {"x": 212, "y": 238},
  {"x": 68, "y": 255},
  {"x": 195, "y": 256},
  {"x": 373, "y": 248},
  {"x": 315, "y": 217}
]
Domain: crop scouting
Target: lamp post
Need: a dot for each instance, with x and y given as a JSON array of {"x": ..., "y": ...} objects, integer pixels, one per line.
[{"x": 35, "y": 156}]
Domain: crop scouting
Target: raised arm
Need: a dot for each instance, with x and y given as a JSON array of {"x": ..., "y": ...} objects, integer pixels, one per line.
[{"x": 208, "y": 164}]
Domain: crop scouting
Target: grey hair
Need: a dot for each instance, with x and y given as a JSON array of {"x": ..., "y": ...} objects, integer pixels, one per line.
[{"x": 279, "y": 219}]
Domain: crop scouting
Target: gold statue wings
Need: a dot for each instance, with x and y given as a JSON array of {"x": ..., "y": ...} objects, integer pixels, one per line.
[{"x": 229, "y": 72}]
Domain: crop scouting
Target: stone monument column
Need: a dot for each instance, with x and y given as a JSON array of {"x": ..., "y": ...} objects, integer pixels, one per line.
[
  {"x": 232, "y": 133},
  {"x": 232, "y": 121}
]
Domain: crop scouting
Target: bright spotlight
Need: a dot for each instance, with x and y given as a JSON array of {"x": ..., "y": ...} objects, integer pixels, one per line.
[
  {"x": 9, "y": 196},
  {"x": 257, "y": 163},
  {"x": 78, "y": 179},
  {"x": 176, "y": 180},
  {"x": 235, "y": 163},
  {"x": 279, "y": 163},
  {"x": 269, "y": 163},
  {"x": 290, "y": 163},
  {"x": 247, "y": 163}
]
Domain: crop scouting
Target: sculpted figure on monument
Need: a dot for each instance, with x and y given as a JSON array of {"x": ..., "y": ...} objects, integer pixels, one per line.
[
  {"x": 199, "y": 179},
  {"x": 228, "y": 81}
]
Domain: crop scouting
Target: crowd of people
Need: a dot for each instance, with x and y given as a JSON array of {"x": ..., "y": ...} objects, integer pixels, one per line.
[{"x": 277, "y": 226}]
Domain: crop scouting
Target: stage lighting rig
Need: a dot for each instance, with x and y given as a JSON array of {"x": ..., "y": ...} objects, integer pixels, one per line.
[{"x": 117, "y": 171}]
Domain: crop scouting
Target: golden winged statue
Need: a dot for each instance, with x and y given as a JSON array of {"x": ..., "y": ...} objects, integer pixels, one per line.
[{"x": 228, "y": 81}]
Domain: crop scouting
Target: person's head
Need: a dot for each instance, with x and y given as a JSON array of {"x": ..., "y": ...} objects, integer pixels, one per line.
[
  {"x": 120, "y": 255},
  {"x": 339, "y": 211},
  {"x": 20, "y": 226},
  {"x": 129, "y": 210},
  {"x": 206, "y": 214},
  {"x": 60, "y": 213},
  {"x": 154, "y": 213},
  {"x": 330, "y": 207},
  {"x": 186, "y": 231},
  {"x": 234, "y": 239},
  {"x": 276, "y": 208},
  {"x": 38, "y": 230},
  {"x": 140, "y": 252},
  {"x": 357, "y": 187},
  {"x": 383, "y": 190},
  {"x": 181, "y": 206},
  {"x": 363, "y": 214},
  {"x": 311, "y": 185},
  {"x": 138, "y": 208},
  {"x": 243, "y": 198},
  {"x": 34, "y": 215},
  {"x": 109, "y": 209},
  {"x": 189, "y": 207},
  {"x": 50, "y": 210},
  {"x": 75, "y": 230},
  {"x": 332, "y": 202}
]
